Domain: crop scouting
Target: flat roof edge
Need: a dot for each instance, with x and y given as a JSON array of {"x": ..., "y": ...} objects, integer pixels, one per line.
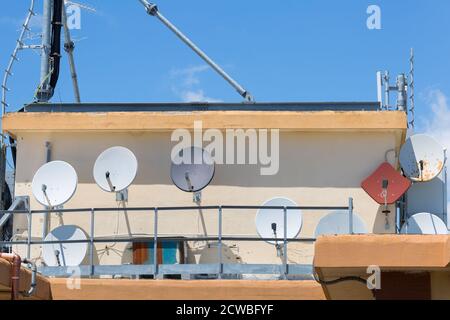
[
  {"x": 167, "y": 121},
  {"x": 202, "y": 106}
]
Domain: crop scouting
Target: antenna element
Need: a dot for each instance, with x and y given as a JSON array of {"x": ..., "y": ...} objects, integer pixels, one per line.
[{"x": 152, "y": 9}]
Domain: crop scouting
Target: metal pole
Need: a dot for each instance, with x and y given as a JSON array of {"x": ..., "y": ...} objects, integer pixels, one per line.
[
  {"x": 46, "y": 44},
  {"x": 380, "y": 89},
  {"x": 402, "y": 95},
  {"x": 350, "y": 215},
  {"x": 3, "y": 175},
  {"x": 91, "y": 256},
  {"x": 387, "y": 87},
  {"x": 30, "y": 218},
  {"x": 285, "y": 251},
  {"x": 220, "y": 244},
  {"x": 152, "y": 10},
  {"x": 46, "y": 223},
  {"x": 69, "y": 47},
  {"x": 412, "y": 90},
  {"x": 155, "y": 244},
  {"x": 446, "y": 190}
]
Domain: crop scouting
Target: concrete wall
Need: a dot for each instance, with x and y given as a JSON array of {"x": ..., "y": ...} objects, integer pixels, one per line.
[{"x": 316, "y": 169}]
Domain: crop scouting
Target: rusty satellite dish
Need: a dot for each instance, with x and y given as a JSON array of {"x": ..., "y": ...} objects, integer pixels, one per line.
[
  {"x": 386, "y": 185},
  {"x": 422, "y": 158}
]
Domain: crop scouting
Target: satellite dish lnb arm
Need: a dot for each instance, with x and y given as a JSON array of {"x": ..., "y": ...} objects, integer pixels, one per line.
[{"x": 152, "y": 9}]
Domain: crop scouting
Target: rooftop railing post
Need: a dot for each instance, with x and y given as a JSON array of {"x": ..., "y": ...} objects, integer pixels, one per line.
[
  {"x": 350, "y": 215},
  {"x": 155, "y": 245},
  {"x": 30, "y": 219},
  {"x": 92, "y": 245},
  {"x": 284, "y": 269},
  {"x": 220, "y": 244},
  {"x": 285, "y": 248}
]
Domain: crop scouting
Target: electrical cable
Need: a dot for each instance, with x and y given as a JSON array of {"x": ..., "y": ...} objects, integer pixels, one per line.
[
  {"x": 338, "y": 280},
  {"x": 55, "y": 52}
]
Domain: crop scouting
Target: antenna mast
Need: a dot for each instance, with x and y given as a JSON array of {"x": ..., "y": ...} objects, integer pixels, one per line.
[
  {"x": 411, "y": 89},
  {"x": 152, "y": 10},
  {"x": 44, "y": 91},
  {"x": 19, "y": 46},
  {"x": 69, "y": 47}
]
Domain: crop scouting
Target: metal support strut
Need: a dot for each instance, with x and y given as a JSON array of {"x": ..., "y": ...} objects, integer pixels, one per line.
[
  {"x": 152, "y": 9},
  {"x": 13, "y": 58},
  {"x": 69, "y": 47}
]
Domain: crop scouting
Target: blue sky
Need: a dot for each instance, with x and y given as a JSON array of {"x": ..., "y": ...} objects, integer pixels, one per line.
[
  {"x": 290, "y": 50},
  {"x": 309, "y": 50}
]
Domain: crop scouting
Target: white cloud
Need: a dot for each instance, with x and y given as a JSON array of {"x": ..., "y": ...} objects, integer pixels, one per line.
[
  {"x": 186, "y": 83},
  {"x": 438, "y": 125},
  {"x": 190, "y": 74},
  {"x": 196, "y": 96}
]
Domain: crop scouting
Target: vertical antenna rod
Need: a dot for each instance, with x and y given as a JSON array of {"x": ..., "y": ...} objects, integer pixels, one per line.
[
  {"x": 44, "y": 89},
  {"x": 411, "y": 89},
  {"x": 152, "y": 10},
  {"x": 13, "y": 58},
  {"x": 69, "y": 47}
]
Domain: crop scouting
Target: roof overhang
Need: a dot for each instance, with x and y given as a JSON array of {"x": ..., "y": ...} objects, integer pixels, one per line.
[
  {"x": 287, "y": 117},
  {"x": 351, "y": 255}
]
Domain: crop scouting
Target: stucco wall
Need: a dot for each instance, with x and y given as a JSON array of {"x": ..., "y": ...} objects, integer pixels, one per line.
[{"x": 316, "y": 169}]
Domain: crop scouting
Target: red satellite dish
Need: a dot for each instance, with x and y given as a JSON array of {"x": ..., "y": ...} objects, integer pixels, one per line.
[{"x": 386, "y": 185}]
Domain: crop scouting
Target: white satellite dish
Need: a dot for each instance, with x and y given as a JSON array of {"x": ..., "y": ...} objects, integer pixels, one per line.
[
  {"x": 54, "y": 183},
  {"x": 65, "y": 254},
  {"x": 115, "y": 169},
  {"x": 192, "y": 169},
  {"x": 422, "y": 158},
  {"x": 337, "y": 222},
  {"x": 424, "y": 223},
  {"x": 270, "y": 222}
]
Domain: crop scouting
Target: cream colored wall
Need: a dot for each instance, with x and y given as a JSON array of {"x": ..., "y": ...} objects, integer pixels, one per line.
[{"x": 316, "y": 169}]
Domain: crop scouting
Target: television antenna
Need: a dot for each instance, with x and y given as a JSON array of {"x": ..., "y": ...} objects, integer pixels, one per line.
[
  {"x": 43, "y": 48},
  {"x": 81, "y": 5},
  {"x": 152, "y": 9},
  {"x": 20, "y": 45},
  {"x": 412, "y": 89}
]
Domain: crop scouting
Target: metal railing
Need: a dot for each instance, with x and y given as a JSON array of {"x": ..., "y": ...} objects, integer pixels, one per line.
[{"x": 220, "y": 269}]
